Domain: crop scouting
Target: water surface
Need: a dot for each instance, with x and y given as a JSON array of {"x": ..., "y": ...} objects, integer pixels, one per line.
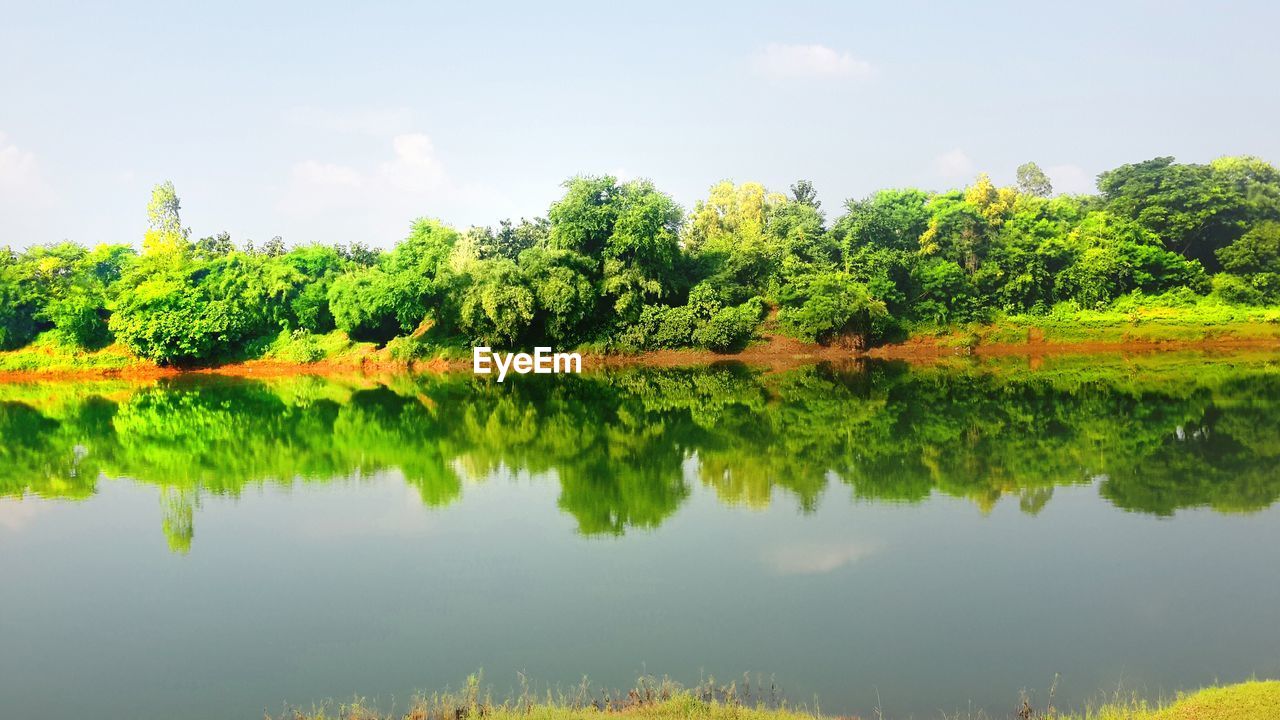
[{"x": 922, "y": 538}]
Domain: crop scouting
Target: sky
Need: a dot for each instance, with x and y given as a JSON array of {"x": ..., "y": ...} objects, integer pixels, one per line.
[{"x": 342, "y": 122}]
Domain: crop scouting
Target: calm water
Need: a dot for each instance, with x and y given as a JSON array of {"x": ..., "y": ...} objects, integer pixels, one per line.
[{"x": 929, "y": 539}]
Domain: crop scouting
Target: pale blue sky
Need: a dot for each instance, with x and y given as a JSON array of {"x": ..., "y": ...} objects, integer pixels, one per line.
[{"x": 342, "y": 121}]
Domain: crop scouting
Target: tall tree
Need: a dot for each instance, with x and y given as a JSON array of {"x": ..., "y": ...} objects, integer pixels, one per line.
[
  {"x": 803, "y": 192},
  {"x": 1194, "y": 209},
  {"x": 1033, "y": 181},
  {"x": 165, "y": 233},
  {"x": 630, "y": 229}
]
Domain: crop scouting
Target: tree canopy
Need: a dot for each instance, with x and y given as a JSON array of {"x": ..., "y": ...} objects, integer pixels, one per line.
[{"x": 621, "y": 266}]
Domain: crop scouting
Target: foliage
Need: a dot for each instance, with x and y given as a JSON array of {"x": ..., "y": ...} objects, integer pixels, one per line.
[
  {"x": 1195, "y": 210},
  {"x": 824, "y": 305},
  {"x": 509, "y": 240},
  {"x": 1033, "y": 181},
  {"x": 730, "y": 328},
  {"x": 1162, "y": 433},
  {"x": 165, "y": 234},
  {"x": 619, "y": 265},
  {"x": 173, "y": 315},
  {"x": 630, "y": 229},
  {"x": 496, "y": 306},
  {"x": 365, "y": 305}
]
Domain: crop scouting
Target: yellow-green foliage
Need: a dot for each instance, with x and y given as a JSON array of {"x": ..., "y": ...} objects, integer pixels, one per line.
[
  {"x": 1246, "y": 701},
  {"x": 1135, "y": 318},
  {"x": 1255, "y": 700},
  {"x": 301, "y": 346},
  {"x": 46, "y": 353}
]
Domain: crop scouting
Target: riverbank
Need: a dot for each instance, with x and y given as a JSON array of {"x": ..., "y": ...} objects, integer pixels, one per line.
[
  {"x": 1253, "y": 700},
  {"x": 1032, "y": 337}
]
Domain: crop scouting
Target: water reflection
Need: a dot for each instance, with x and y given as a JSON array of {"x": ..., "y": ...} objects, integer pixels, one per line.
[{"x": 1162, "y": 434}]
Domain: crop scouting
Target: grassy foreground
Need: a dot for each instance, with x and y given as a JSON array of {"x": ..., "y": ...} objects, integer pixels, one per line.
[
  {"x": 1127, "y": 322},
  {"x": 1253, "y": 700}
]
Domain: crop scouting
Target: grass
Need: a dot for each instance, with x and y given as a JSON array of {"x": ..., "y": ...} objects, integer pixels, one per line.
[
  {"x": 663, "y": 700},
  {"x": 1253, "y": 700},
  {"x": 1246, "y": 701},
  {"x": 304, "y": 347},
  {"x": 1173, "y": 317},
  {"x": 678, "y": 706},
  {"x": 48, "y": 353}
]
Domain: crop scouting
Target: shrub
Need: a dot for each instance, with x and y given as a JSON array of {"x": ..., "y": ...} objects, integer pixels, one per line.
[
  {"x": 298, "y": 346},
  {"x": 672, "y": 327},
  {"x": 1235, "y": 290},
  {"x": 79, "y": 320},
  {"x": 730, "y": 328},
  {"x": 366, "y": 305},
  {"x": 311, "y": 308},
  {"x": 829, "y": 304},
  {"x": 170, "y": 318},
  {"x": 406, "y": 348},
  {"x": 17, "y": 318}
]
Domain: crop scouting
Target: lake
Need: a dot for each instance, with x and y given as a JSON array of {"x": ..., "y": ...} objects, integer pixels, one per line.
[{"x": 918, "y": 539}]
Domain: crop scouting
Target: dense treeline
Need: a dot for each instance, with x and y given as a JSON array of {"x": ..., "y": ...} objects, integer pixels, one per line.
[
  {"x": 619, "y": 265},
  {"x": 1162, "y": 437}
]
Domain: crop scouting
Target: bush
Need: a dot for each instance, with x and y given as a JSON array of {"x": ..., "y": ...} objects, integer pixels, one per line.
[
  {"x": 311, "y": 308},
  {"x": 406, "y": 348},
  {"x": 730, "y": 328},
  {"x": 298, "y": 346},
  {"x": 829, "y": 304},
  {"x": 1267, "y": 283},
  {"x": 672, "y": 327},
  {"x": 1235, "y": 290},
  {"x": 659, "y": 327},
  {"x": 366, "y": 305},
  {"x": 79, "y": 320},
  {"x": 182, "y": 330},
  {"x": 496, "y": 306},
  {"x": 17, "y": 319},
  {"x": 171, "y": 318}
]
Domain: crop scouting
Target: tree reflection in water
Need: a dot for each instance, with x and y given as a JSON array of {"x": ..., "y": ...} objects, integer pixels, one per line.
[{"x": 1162, "y": 434}]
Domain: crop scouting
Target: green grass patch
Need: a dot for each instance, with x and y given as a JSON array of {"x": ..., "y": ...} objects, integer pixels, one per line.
[
  {"x": 303, "y": 347},
  {"x": 47, "y": 353},
  {"x": 1255, "y": 700},
  {"x": 1173, "y": 317}
]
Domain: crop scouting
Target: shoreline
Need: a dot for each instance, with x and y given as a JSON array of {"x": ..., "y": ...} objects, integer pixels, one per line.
[
  {"x": 774, "y": 353},
  {"x": 1248, "y": 700}
]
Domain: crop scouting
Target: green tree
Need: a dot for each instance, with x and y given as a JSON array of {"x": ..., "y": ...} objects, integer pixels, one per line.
[
  {"x": 1033, "y": 181},
  {"x": 366, "y": 304},
  {"x": 165, "y": 234},
  {"x": 631, "y": 230},
  {"x": 1195, "y": 210},
  {"x": 19, "y": 302},
  {"x": 803, "y": 192},
  {"x": 1257, "y": 251},
  {"x": 827, "y": 305},
  {"x": 497, "y": 307},
  {"x": 566, "y": 296},
  {"x": 408, "y": 290},
  {"x": 893, "y": 219},
  {"x": 726, "y": 242}
]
